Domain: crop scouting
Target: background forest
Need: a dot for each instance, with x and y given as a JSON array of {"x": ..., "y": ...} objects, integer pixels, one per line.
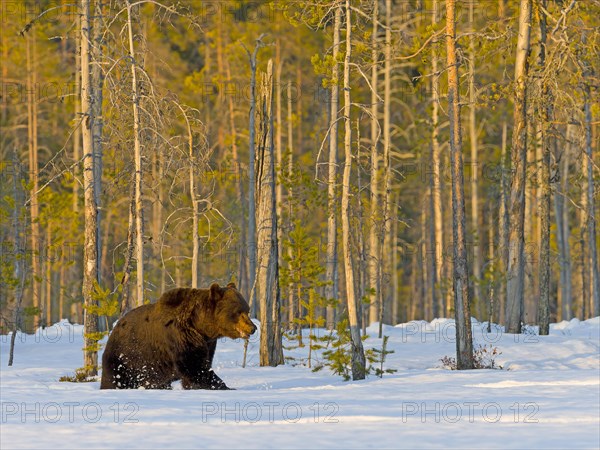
[{"x": 170, "y": 164}]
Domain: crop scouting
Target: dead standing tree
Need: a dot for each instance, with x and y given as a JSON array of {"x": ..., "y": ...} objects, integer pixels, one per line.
[
  {"x": 464, "y": 341},
  {"x": 516, "y": 242},
  {"x": 90, "y": 252},
  {"x": 267, "y": 277},
  {"x": 358, "y": 354},
  {"x": 251, "y": 176}
]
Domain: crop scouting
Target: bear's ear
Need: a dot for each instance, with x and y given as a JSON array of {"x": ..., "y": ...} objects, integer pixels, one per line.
[
  {"x": 232, "y": 285},
  {"x": 215, "y": 292}
]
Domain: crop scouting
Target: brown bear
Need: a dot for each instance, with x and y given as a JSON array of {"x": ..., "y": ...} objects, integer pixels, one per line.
[{"x": 175, "y": 339}]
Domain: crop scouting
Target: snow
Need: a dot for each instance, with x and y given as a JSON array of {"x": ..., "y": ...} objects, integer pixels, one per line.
[{"x": 547, "y": 396}]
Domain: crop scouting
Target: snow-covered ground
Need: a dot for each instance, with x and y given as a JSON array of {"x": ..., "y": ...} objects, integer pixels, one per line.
[{"x": 547, "y": 396}]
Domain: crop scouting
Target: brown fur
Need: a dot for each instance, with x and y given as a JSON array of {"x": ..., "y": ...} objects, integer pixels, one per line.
[{"x": 175, "y": 338}]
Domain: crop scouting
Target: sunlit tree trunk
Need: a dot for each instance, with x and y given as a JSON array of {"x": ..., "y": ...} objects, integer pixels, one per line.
[
  {"x": 464, "y": 341},
  {"x": 374, "y": 264},
  {"x": 20, "y": 266},
  {"x": 294, "y": 287},
  {"x": 591, "y": 214},
  {"x": 77, "y": 119},
  {"x": 90, "y": 254},
  {"x": 561, "y": 212},
  {"x": 504, "y": 220},
  {"x": 543, "y": 318},
  {"x": 48, "y": 276},
  {"x": 476, "y": 232},
  {"x": 243, "y": 260},
  {"x": 36, "y": 275},
  {"x": 267, "y": 282},
  {"x": 97, "y": 77},
  {"x": 252, "y": 180},
  {"x": 516, "y": 258},
  {"x": 385, "y": 234},
  {"x": 331, "y": 291},
  {"x": 437, "y": 246},
  {"x": 544, "y": 186},
  {"x": 358, "y": 355},
  {"x": 137, "y": 149}
]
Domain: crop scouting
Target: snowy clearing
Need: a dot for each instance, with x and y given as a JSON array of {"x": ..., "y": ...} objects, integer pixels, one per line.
[{"x": 548, "y": 398}]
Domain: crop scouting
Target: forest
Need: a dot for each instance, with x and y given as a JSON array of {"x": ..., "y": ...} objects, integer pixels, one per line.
[{"x": 342, "y": 161}]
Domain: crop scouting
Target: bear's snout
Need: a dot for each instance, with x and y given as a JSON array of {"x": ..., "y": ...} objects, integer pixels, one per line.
[
  {"x": 253, "y": 329},
  {"x": 246, "y": 327}
]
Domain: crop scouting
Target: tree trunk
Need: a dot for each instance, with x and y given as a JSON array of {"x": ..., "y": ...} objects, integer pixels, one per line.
[
  {"x": 516, "y": 242},
  {"x": 267, "y": 282},
  {"x": 293, "y": 288},
  {"x": 561, "y": 207},
  {"x": 374, "y": 265},
  {"x": 278, "y": 149},
  {"x": 587, "y": 306},
  {"x": 331, "y": 290},
  {"x": 475, "y": 230},
  {"x": 437, "y": 246},
  {"x": 464, "y": 342},
  {"x": 395, "y": 277},
  {"x": 36, "y": 275},
  {"x": 591, "y": 215},
  {"x": 90, "y": 254},
  {"x": 20, "y": 260},
  {"x": 97, "y": 78},
  {"x": 48, "y": 276},
  {"x": 242, "y": 266},
  {"x": 126, "y": 304},
  {"x": 193, "y": 196},
  {"x": 139, "y": 208},
  {"x": 543, "y": 318},
  {"x": 504, "y": 221},
  {"x": 252, "y": 181},
  {"x": 358, "y": 355},
  {"x": 492, "y": 307},
  {"x": 385, "y": 235},
  {"x": 77, "y": 119}
]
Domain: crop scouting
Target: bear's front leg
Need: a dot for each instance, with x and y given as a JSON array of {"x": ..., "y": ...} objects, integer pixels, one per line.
[{"x": 204, "y": 380}]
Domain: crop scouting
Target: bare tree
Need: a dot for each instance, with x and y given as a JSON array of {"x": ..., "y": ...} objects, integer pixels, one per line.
[
  {"x": 589, "y": 185},
  {"x": 267, "y": 281},
  {"x": 544, "y": 207},
  {"x": 437, "y": 243},
  {"x": 464, "y": 341},
  {"x": 358, "y": 354},
  {"x": 478, "y": 239},
  {"x": 385, "y": 240},
  {"x": 516, "y": 258},
  {"x": 504, "y": 219},
  {"x": 20, "y": 262},
  {"x": 252, "y": 177},
  {"x": 32, "y": 135},
  {"x": 331, "y": 290},
  {"x": 90, "y": 254},
  {"x": 195, "y": 201},
  {"x": 374, "y": 265},
  {"x": 139, "y": 207}
]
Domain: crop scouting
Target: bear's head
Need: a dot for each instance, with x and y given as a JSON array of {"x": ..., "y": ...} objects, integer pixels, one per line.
[{"x": 231, "y": 312}]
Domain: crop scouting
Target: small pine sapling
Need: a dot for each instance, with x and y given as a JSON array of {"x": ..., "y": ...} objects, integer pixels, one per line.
[
  {"x": 107, "y": 305},
  {"x": 303, "y": 273},
  {"x": 378, "y": 356},
  {"x": 338, "y": 358}
]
